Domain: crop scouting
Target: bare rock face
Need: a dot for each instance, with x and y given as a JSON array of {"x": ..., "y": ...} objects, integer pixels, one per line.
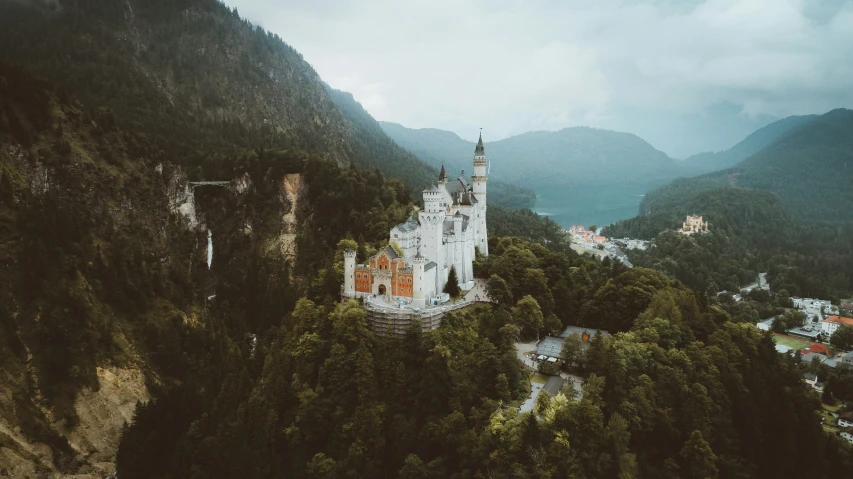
[
  {"x": 102, "y": 413},
  {"x": 181, "y": 199},
  {"x": 293, "y": 188}
]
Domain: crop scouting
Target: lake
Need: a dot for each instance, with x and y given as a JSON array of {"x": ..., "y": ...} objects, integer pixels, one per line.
[{"x": 586, "y": 205}]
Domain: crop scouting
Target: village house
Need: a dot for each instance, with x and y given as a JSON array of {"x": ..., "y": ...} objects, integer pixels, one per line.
[
  {"x": 550, "y": 347},
  {"x": 845, "y": 419},
  {"x": 847, "y": 360},
  {"x": 846, "y": 434},
  {"x": 832, "y": 323}
]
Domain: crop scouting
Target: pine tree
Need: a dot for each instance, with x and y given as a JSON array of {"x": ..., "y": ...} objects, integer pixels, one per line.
[{"x": 452, "y": 286}]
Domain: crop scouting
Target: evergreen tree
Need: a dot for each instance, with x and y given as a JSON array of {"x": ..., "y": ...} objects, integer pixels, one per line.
[{"x": 452, "y": 285}]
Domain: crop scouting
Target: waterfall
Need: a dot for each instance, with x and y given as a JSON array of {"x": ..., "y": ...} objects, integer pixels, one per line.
[{"x": 209, "y": 248}]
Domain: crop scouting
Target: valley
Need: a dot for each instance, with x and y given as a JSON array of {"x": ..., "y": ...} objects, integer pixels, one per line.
[{"x": 589, "y": 205}]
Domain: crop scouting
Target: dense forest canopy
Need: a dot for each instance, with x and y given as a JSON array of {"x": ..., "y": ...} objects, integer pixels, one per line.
[{"x": 681, "y": 391}]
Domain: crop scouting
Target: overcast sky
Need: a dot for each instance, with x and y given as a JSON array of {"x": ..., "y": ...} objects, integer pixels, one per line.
[{"x": 685, "y": 75}]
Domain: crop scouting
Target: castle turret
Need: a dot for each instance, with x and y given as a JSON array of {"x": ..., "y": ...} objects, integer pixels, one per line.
[
  {"x": 442, "y": 175},
  {"x": 432, "y": 228},
  {"x": 349, "y": 272},
  {"x": 418, "y": 284},
  {"x": 481, "y": 240}
]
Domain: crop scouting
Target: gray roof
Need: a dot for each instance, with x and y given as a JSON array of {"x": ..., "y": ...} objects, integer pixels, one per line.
[
  {"x": 430, "y": 266},
  {"x": 411, "y": 224},
  {"x": 810, "y": 376},
  {"x": 831, "y": 363},
  {"x": 807, "y": 358},
  {"x": 848, "y": 355},
  {"x": 454, "y": 187},
  {"x": 447, "y": 226},
  {"x": 580, "y": 330},
  {"x": 550, "y": 346},
  {"x": 806, "y": 334},
  {"x": 460, "y": 192},
  {"x": 390, "y": 251},
  {"x": 554, "y": 384}
]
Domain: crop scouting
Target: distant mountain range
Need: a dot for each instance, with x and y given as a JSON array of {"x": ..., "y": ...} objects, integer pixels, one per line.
[
  {"x": 711, "y": 161},
  {"x": 569, "y": 157},
  {"x": 807, "y": 162}
]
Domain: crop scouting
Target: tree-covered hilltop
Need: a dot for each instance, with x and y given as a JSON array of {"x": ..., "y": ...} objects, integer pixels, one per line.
[
  {"x": 750, "y": 232},
  {"x": 103, "y": 243},
  {"x": 681, "y": 391},
  {"x": 571, "y": 156},
  {"x": 196, "y": 79},
  {"x": 810, "y": 168},
  {"x": 758, "y": 140},
  {"x": 199, "y": 79},
  {"x": 786, "y": 210}
]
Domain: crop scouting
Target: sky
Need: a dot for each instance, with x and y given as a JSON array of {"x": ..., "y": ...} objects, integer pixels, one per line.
[{"x": 687, "y": 76}]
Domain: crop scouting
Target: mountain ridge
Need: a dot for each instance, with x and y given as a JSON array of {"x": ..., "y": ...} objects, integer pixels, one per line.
[
  {"x": 809, "y": 167},
  {"x": 706, "y": 162},
  {"x": 541, "y": 158}
]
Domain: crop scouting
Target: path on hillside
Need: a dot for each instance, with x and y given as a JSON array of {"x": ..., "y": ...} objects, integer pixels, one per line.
[
  {"x": 762, "y": 283},
  {"x": 478, "y": 292}
]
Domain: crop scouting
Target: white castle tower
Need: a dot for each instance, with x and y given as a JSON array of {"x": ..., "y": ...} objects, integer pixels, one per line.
[
  {"x": 418, "y": 293},
  {"x": 481, "y": 240},
  {"x": 432, "y": 229},
  {"x": 349, "y": 271}
]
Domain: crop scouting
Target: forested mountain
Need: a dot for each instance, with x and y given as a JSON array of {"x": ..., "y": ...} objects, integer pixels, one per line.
[
  {"x": 755, "y": 142},
  {"x": 571, "y": 156},
  {"x": 106, "y": 295},
  {"x": 198, "y": 79},
  {"x": 786, "y": 210},
  {"x": 810, "y": 168}
]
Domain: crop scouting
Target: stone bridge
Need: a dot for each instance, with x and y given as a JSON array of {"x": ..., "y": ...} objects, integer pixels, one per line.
[{"x": 210, "y": 183}]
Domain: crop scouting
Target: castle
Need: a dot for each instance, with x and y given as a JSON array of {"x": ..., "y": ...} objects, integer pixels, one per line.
[
  {"x": 447, "y": 233},
  {"x": 693, "y": 224}
]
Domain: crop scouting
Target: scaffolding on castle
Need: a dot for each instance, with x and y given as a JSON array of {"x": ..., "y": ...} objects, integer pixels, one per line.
[{"x": 387, "y": 320}]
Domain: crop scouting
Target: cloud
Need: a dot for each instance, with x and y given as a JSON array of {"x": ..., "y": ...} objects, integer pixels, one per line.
[{"x": 511, "y": 66}]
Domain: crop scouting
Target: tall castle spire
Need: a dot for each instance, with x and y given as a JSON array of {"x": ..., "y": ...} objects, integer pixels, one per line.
[
  {"x": 442, "y": 176},
  {"x": 479, "y": 150}
]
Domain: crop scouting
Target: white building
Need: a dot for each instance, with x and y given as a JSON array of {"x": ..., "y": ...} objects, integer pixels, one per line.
[
  {"x": 447, "y": 234},
  {"x": 831, "y": 324}
]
